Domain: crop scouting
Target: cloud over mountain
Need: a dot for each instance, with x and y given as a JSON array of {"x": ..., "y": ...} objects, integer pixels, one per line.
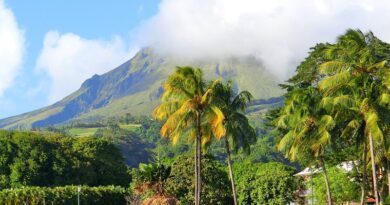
[
  {"x": 69, "y": 59},
  {"x": 11, "y": 48},
  {"x": 279, "y": 32}
]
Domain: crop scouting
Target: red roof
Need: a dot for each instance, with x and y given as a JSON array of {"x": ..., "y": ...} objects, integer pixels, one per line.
[{"x": 371, "y": 200}]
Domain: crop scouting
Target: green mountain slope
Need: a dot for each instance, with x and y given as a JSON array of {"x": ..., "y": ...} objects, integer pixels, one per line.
[{"x": 135, "y": 87}]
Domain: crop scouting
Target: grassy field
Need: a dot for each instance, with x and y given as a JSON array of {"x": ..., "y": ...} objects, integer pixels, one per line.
[
  {"x": 83, "y": 132},
  {"x": 130, "y": 127}
]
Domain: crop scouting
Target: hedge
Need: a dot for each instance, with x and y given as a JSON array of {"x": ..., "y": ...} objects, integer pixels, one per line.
[{"x": 67, "y": 195}]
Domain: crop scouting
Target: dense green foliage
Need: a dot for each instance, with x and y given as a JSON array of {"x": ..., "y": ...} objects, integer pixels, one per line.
[
  {"x": 38, "y": 159},
  {"x": 215, "y": 189},
  {"x": 67, "y": 195},
  {"x": 343, "y": 188},
  {"x": 339, "y": 99},
  {"x": 270, "y": 183}
]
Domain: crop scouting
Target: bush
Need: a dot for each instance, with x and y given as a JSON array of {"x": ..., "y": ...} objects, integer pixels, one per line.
[
  {"x": 270, "y": 183},
  {"x": 67, "y": 195}
]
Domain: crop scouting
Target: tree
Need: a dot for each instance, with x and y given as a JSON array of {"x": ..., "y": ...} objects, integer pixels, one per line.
[
  {"x": 348, "y": 83},
  {"x": 99, "y": 162},
  {"x": 270, "y": 183},
  {"x": 47, "y": 159},
  {"x": 344, "y": 189},
  {"x": 239, "y": 132},
  {"x": 356, "y": 84},
  {"x": 305, "y": 128},
  {"x": 189, "y": 109},
  {"x": 215, "y": 181}
]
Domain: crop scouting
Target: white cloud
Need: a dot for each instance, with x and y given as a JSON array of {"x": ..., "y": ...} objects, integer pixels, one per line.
[
  {"x": 279, "y": 32},
  {"x": 69, "y": 59},
  {"x": 11, "y": 48}
]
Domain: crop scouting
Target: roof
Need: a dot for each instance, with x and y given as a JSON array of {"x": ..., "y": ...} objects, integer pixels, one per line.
[
  {"x": 347, "y": 166},
  {"x": 308, "y": 171}
]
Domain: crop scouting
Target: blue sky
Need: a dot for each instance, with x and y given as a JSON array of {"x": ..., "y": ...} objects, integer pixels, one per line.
[
  {"x": 49, "y": 47},
  {"x": 89, "y": 19}
]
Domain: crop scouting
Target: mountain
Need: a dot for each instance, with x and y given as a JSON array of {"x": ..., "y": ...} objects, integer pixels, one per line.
[{"x": 135, "y": 87}]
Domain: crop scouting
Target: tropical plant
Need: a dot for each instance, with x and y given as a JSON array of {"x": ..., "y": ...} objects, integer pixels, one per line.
[
  {"x": 151, "y": 176},
  {"x": 355, "y": 85},
  {"x": 343, "y": 90},
  {"x": 239, "y": 133},
  {"x": 189, "y": 110},
  {"x": 305, "y": 127}
]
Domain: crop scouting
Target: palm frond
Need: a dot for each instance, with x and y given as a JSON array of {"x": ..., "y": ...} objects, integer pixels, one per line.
[
  {"x": 217, "y": 123},
  {"x": 384, "y": 99},
  {"x": 331, "y": 83},
  {"x": 331, "y": 67},
  {"x": 371, "y": 118},
  {"x": 379, "y": 65}
]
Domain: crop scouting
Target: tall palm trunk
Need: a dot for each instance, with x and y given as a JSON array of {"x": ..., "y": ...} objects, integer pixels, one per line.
[
  {"x": 325, "y": 173},
  {"x": 374, "y": 180},
  {"x": 229, "y": 161},
  {"x": 198, "y": 155},
  {"x": 363, "y": 197}
]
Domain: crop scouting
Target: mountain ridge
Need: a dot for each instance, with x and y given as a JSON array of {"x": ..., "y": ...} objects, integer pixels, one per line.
[{"x": 135, "y": 87}]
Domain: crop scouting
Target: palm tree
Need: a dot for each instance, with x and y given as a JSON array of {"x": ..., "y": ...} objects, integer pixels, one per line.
[
  {"x": 356, "y": 78},
  {"x": 306, "y": 128},
  {"x": 189, "y": 110},
  {"x": 239, "y": 133}
]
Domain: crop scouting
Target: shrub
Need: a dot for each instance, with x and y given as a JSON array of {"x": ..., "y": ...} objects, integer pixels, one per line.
[{"x": 67, "y": 195}]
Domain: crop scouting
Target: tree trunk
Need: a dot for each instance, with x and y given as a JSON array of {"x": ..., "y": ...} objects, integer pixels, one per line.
[
  {"x": 198, "y": 155},
  {"x": 328, "y": 192},
  {"x": 364, "y": 180},
  {"x": 388, "y": 178},
  {"x": 374, "y": 180},
  {"x": 231, "y": 172}
]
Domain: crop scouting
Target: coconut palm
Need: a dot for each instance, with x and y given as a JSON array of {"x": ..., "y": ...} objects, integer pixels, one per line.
[
  {"x": 303, "y": 127},
  {"x": 189, "y": 110},
  {"x": 306, "y": 128},
  {"x": 239, "y": 133},
  {"x": 356, "y": 84}
]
